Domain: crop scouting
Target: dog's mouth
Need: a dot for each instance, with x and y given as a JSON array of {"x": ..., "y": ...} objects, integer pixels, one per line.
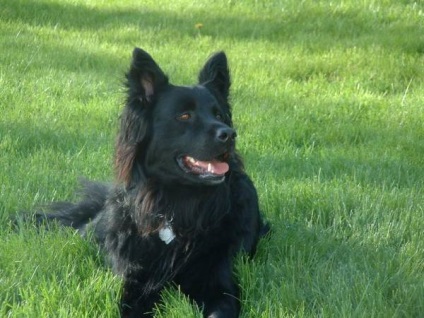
[{"x": 213, "y": 170}]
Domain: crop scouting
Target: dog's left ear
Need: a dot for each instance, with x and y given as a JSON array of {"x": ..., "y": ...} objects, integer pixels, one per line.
[{"x": 215, "y": 75}]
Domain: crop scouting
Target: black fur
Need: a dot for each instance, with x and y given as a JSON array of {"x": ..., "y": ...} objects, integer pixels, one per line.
[{"x": 169, "y": 137}]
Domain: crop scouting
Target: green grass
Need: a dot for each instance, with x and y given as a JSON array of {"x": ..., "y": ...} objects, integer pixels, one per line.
[{"x": 328, "y": 104}]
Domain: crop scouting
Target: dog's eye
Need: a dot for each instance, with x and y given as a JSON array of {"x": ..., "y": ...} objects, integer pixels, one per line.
[
  {"x": 219, "y": 117},
  {"x": 184, "y": 117}
]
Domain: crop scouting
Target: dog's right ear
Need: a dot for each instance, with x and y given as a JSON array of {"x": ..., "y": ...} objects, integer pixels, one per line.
[{"x": 145, "y": 78}]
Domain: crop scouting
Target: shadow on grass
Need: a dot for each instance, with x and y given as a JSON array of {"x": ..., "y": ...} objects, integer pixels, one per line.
[{"x": 310, "y": 27}]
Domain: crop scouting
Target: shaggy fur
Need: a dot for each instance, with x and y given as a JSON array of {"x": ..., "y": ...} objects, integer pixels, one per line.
[{"x": 182, "y": 205}]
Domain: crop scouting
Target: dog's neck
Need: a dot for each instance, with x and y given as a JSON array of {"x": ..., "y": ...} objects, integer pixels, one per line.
[{"x": 190, "y": 210}]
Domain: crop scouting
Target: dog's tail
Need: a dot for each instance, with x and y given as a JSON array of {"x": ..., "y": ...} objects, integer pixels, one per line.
[{"x": 79, "y": 214}]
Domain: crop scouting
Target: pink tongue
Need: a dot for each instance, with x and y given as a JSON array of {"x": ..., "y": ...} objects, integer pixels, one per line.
[{"x": 214, "y": 166}]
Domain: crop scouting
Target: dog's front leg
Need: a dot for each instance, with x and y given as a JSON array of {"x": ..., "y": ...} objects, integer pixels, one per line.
[
  {"x": 221, "y": 298},
  {"x": 136, "y": 301},
  {"x": 223, "y": 308}
]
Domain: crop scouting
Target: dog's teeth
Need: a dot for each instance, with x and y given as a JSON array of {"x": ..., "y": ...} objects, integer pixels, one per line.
[
  {"x": 210, "y": 168},
  {"x": 191, "y": 160}
]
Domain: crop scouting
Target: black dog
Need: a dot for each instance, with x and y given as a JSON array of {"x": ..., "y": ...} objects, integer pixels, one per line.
[{"x": 182, "y": 206}]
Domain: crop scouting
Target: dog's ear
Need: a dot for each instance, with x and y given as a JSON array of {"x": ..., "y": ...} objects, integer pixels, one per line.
[
  {"x": 145, "y": 78},
  {"x": 215, "y": 75}
]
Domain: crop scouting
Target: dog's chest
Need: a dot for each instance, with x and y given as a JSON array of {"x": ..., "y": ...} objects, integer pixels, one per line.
[{"x": 208, "y": 238}]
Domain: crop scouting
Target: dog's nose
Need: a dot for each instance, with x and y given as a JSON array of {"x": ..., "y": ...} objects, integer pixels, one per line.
[{"x": 225, "y": 134}]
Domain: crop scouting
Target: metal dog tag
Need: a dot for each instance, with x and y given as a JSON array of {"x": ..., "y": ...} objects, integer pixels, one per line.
[{"x": 166, "y": 234}]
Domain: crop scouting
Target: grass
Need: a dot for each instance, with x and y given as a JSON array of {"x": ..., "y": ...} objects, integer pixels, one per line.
[{"x": 328, "y": 104}]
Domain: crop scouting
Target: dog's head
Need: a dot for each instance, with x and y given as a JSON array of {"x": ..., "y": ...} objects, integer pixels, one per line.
[{"x": 176, "y": 134}]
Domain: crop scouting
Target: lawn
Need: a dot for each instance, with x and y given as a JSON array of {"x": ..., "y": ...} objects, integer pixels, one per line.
[{"x": 328, "y": 101}]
